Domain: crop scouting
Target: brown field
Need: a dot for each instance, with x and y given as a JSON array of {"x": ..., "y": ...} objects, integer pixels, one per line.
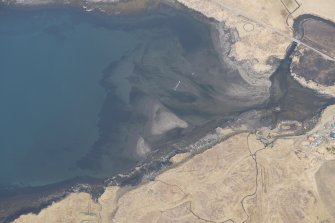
[
  {"x": 319, "y": 35},
  {"x": 313, "y": 67}
]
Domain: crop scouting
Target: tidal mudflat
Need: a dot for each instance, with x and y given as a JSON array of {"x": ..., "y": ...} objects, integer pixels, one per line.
[
  {"x": 86, "y": 94},
  {"x": 90, "y": 95}
]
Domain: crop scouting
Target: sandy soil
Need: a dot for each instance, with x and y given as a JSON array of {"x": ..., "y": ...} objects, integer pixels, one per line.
[
  {"x": 252, "y": 39},
  {"x": 262, "y": 28},
  {"x": 164, "y": 120},
  {"x": 237, "y": 180},
  {"x": 240, "y": 179},
  {"x": 325, "y": 179},
  {"x": 323, "y": 8},
  {"x": 142, "y": 147}
]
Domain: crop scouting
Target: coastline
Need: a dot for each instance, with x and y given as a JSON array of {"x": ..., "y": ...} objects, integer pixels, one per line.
[
  {"x": 149, "y": 170},
  {"x": 183, "y": 189},
  {"x": 106, "y": 7},
  {"x": 59, "y": 191}
]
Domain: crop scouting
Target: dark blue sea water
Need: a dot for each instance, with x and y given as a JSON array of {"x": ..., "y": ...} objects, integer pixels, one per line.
[
  {"x": 79, "y": 91},
  {"x": 81, "y": 94},
  {"x": 51, "y": 65}
]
